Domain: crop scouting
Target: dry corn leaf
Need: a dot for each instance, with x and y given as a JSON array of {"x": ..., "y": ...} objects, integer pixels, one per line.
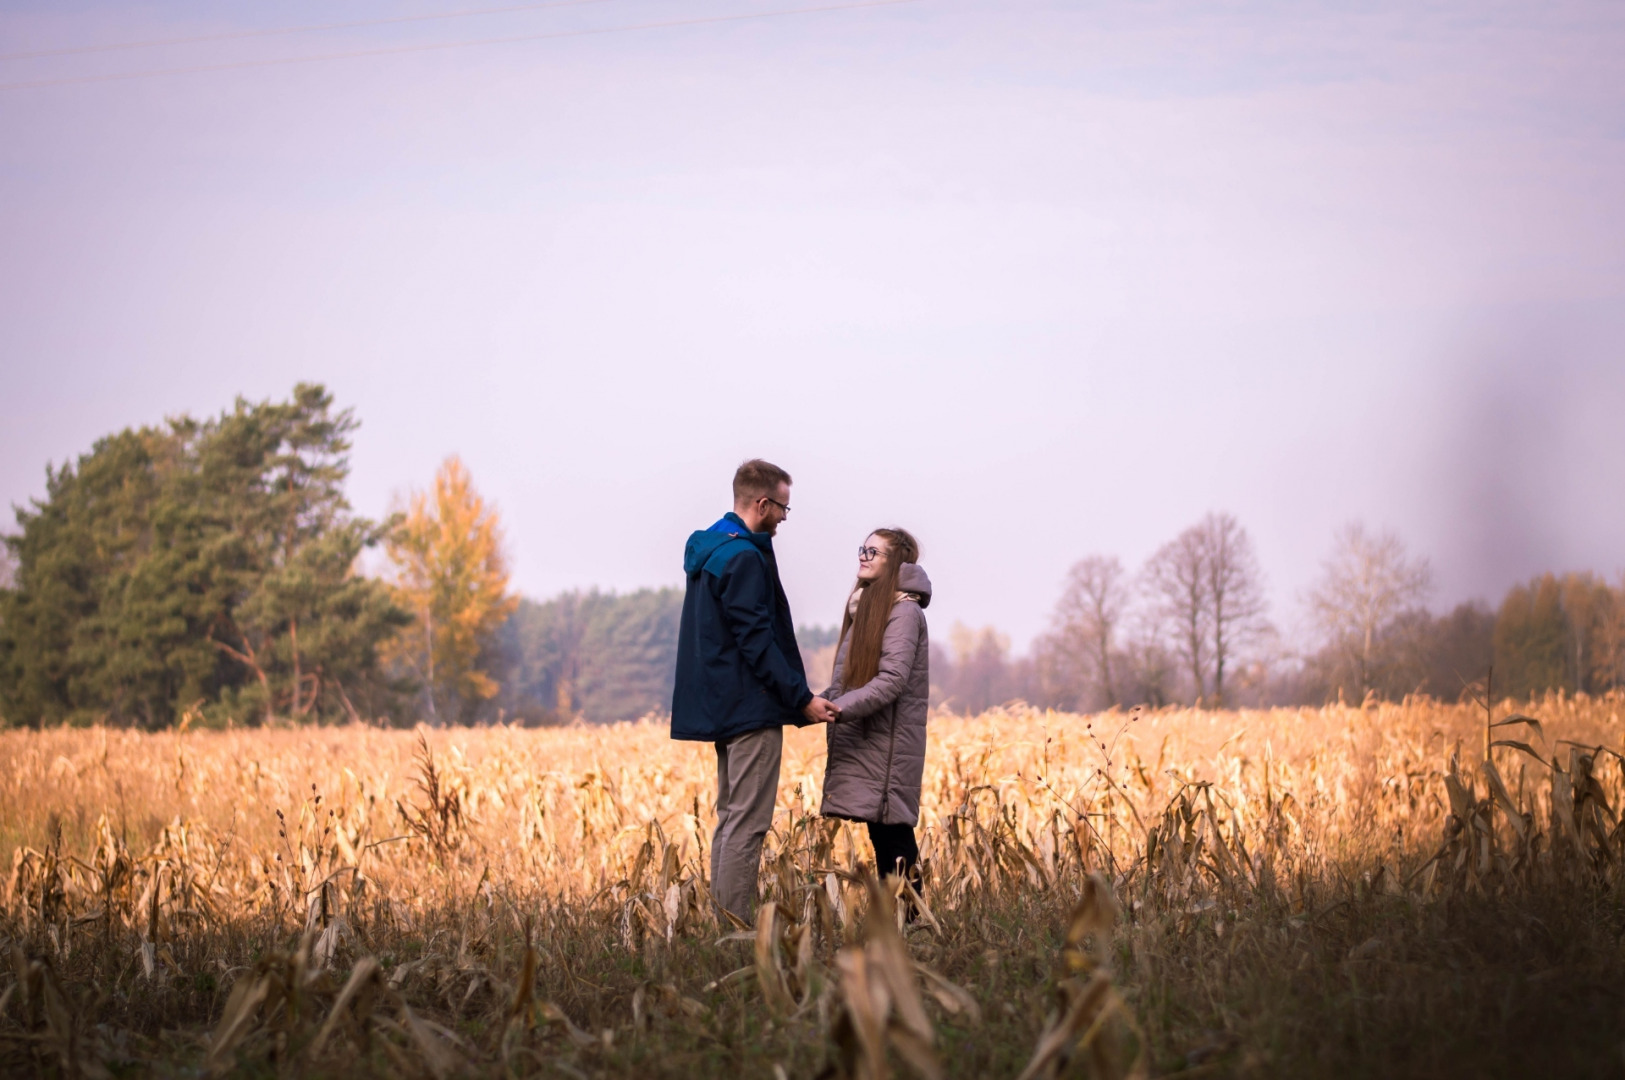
[
  {"x": 433, "y": 1052},
  {"x": 242, "y": 1006},
  {"x": 363, "y": 978},
  {"x": 769, "y": 962},
  {"x": 1059, "y": 1039},
  {"x": 954, "y": 999}
]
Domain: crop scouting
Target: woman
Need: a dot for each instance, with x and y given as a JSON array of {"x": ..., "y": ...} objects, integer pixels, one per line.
[{"x": 880, "y": 686}]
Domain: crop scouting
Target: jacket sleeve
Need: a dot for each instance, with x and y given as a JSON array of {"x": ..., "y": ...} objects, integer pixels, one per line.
[
  {"x": 746, "y": 597},
  {"x": 897, "y": 652}
]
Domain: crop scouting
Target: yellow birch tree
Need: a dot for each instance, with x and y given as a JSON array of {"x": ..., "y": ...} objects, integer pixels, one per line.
[{"x": 452, "y": 575}]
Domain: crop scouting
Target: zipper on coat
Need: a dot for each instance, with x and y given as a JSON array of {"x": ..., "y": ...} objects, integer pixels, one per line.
[{"x": 891, "y": 751}]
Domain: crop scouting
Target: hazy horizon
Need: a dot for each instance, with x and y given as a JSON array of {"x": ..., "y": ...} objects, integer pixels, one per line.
[{"x": 1035, "y": 281}]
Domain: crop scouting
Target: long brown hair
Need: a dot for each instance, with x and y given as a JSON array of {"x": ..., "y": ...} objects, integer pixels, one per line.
[{"x": 867, "y": 625}]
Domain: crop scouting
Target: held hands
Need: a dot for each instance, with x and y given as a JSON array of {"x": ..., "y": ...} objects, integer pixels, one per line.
[{"x": 821, "y": 711}]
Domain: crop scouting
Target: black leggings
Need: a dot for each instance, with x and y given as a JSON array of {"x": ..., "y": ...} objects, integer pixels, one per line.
[{"x": 894, "y": 843}]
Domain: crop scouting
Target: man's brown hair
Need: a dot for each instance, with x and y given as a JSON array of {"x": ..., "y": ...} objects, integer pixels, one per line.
[{"x": 757, "y": 478}]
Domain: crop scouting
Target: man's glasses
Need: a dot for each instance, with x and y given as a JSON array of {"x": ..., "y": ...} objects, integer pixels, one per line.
[
  {"x": 782, "y": 506},
  {"x": 869, "y": 554}
]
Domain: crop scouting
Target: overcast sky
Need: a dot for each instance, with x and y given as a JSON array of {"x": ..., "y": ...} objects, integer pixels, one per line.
[{"x": 1032, "y": 280}]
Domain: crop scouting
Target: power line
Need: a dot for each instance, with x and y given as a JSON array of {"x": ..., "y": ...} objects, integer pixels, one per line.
[
  {"x": 240, "y": 34},
  {"x": 400, "y": 49}
]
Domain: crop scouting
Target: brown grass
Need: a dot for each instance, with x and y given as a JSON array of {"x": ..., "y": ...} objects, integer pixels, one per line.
[{"x": 1290, "y": 892}]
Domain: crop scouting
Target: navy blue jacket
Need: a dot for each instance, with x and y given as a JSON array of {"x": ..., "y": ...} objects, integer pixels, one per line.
[{"x": 738, "y": 667}]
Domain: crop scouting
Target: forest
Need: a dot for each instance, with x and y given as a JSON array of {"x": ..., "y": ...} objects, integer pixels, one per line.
[{"x": 211, "y": 572}]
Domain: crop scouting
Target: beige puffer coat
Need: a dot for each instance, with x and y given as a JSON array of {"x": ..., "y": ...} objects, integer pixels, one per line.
[{"x": 877, "y": 748}]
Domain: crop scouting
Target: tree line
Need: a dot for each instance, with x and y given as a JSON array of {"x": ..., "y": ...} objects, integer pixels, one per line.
[
  {"x": 1191, "y": 627},
  {"x": 211, "y": 572}
]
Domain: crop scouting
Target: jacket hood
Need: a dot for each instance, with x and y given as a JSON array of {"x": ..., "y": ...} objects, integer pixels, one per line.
[
  {"x": 705, "y": 543},
  {"x": 912, "y": 578}
]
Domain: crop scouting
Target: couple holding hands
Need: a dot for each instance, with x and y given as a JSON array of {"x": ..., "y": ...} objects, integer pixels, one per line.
[{"x": 740, "y": 680}]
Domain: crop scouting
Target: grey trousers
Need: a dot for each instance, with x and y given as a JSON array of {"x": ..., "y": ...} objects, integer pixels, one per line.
[{"x": 747, "y": 787}]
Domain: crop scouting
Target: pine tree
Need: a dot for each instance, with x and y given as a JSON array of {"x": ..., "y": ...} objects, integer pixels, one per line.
[{"x": 204, "y": 566}]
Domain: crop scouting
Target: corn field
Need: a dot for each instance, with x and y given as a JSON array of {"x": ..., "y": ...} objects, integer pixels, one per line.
[{"x": 1397, "y": 890}]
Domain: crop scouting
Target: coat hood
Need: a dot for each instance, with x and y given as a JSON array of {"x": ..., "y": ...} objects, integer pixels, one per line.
[
  {"x": 706, "y": 543},
  {"x": 912, "y": 578}
]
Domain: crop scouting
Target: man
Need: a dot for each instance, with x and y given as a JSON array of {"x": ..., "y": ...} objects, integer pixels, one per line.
[{"x": 739, "y": 673}]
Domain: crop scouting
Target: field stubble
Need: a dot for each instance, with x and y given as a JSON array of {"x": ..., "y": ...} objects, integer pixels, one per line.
[{"x": 1291, "y": 892}]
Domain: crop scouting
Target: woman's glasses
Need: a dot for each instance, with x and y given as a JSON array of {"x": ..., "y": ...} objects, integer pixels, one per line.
[{"x": 869, "y": 554}]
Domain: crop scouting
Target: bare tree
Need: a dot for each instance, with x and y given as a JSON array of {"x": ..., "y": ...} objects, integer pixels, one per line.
[
  {"x": 1593, "y": 616},
  {"x": 1084, "y": 629},
  {"x": 980, "y": 676},
  {"x": 1366, "y": 584},
  {"x": 1176, "y": 581},
  {"x": 1207, "y": 585},
  {"x": 1145, "y": 668},
  {"x": 1235, "y": 591}
]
